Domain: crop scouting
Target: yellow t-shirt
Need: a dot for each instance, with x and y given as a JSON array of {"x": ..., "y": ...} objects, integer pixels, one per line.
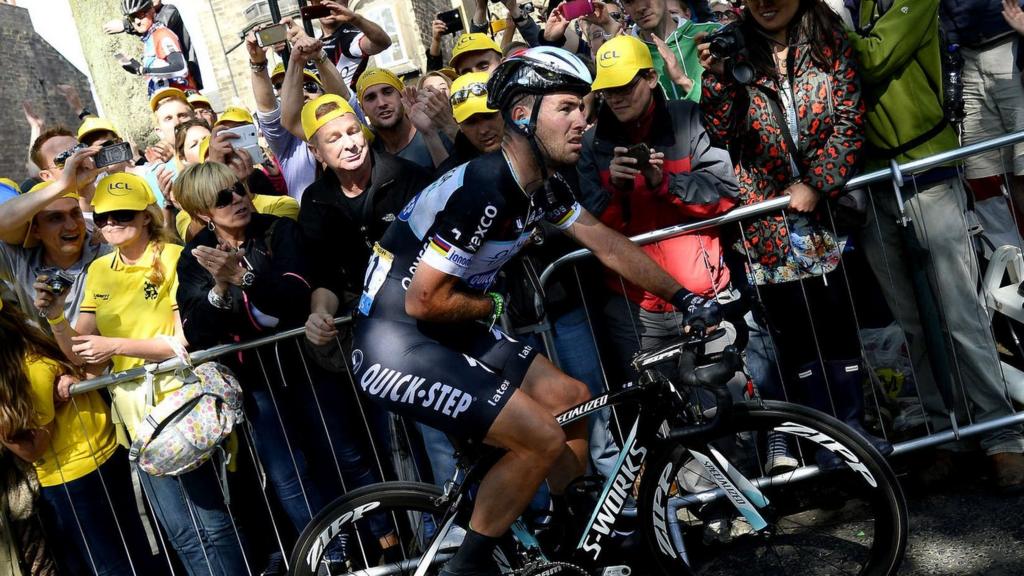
[
  {"x": 283, "y": 206},
  {"x": 83, "y": 436},
  {"x": 128, "y": 305}
]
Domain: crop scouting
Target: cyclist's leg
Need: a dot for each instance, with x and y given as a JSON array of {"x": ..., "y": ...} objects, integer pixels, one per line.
[{"x": 556, "y": 392}]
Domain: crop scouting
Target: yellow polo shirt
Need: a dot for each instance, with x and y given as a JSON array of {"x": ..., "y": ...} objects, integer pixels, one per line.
[
  {"x": 127, "y": 305},
  {"x": 83, "y": 436},
  {"x": 283, "y": 206}
]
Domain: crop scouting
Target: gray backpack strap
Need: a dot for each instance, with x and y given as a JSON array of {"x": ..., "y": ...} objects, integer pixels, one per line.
[{"x": 140, "y": 504}]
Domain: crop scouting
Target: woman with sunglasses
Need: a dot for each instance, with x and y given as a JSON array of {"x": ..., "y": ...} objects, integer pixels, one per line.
[
  {"x": 245, "y": 276},
  {"x": 71, "y": 442},
  {"x": 127, "y": 316},
  {"x": 723, "y": 11},
  {"x": 795, "y": 129}
]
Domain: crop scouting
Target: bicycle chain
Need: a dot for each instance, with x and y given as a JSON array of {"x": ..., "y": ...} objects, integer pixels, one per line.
[{"x": 541, "y": 568}]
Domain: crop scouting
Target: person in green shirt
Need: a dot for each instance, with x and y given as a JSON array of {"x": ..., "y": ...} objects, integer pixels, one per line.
[
  {"x": 672, "y": 42},
  {"x": 900, "y": 55}
]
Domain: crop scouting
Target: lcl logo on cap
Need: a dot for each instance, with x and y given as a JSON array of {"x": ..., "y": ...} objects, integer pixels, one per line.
[
  {"x": 608, "y": 56},
  {"x": 119, "y": 186}
]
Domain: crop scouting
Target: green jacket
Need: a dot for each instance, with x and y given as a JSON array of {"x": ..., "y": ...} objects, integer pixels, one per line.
[
  {"x": 681, "y": 42},
  {"x": 901, "y": 72}
]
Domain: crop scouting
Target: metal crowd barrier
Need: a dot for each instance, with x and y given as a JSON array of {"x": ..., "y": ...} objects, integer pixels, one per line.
[{"x": 269, "y": 349}]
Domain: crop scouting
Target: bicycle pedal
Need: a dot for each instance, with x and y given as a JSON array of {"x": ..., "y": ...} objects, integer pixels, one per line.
[
  {"x": 544, "y": 568},
  {"x": 621, "y": 570}
]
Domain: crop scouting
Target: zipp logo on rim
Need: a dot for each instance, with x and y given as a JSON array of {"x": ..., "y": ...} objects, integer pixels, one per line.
[
  {"x": 325, "y": 537},
  {"x": 826, "y": 442}
]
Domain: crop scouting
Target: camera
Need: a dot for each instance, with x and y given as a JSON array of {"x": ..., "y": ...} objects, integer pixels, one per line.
[
  {"x": 57, "y": 281},
  {"x": 61, "y": 159},
  {"x": 113, "y": 154},
  {"x": 728, "y": 45}
]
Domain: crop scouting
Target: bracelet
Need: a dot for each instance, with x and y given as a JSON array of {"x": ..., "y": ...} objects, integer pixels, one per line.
[
  {"x": 320, "y": 58},
  {"x": 498, "y": 310},
  {"x": 218, "y": 301},
  {"x": 257, "y": 66},
  {"x": 57, "y": 321}
]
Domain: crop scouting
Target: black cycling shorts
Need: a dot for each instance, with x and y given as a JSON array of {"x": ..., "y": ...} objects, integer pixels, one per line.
[{"x": 458, "y": 386}]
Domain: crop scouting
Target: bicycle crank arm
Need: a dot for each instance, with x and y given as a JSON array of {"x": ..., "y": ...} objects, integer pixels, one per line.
[
  {"x": 731, "y": 491},
  {"x": 621, "y": 570}
]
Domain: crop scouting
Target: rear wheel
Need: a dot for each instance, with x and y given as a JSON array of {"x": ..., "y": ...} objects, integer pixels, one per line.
[
  {"x": 409, "y": 514},
  {"x": 851, "y": 520}
]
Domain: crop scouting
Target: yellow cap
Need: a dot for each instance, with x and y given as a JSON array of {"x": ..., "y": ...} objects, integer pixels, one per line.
[
  {"x": 204, "y": 147},
  {"x": 473, "y": 42},
  {"x": 122, "y": 191},
  {"x": 619, "y": 60},
  {"x": 310, "y": 123},
  {"x": 29, "y": 241},
  {"x": 377, "y": 76},
  {"x": 11, "y": 183},
  {"x": 278, "y": 70},
  {"x": 199, "y": 99},
  {"x": 234, "y": 114},
  {"x": 164, "y": 93},
  {"x": 464, "y": 102},
  {"x": 95, "y": 124}
]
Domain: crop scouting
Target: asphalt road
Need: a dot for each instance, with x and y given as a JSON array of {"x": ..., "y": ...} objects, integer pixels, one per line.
[{"x": 960, "y": 527}]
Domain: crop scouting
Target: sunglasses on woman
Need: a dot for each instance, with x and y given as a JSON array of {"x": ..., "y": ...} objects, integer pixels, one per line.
[
  {"x": 118, "y": 216},
  {"x": 226, "y": 196}
]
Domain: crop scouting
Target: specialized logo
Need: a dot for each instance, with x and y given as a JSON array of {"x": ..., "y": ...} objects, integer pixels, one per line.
[
  {"x": 615, "y": 500},
  {"x": 313, "y": 558},
  {"x": 357, "y": 360},
  {"x": 388, "y": 384},
  {"x": 831, "y": 445},
  {"x": 582, "y": 409},
  {"x": 658, "y": 515}
]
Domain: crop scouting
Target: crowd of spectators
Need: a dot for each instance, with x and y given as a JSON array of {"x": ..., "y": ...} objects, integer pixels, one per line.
[{"x": 208, "y": 237}]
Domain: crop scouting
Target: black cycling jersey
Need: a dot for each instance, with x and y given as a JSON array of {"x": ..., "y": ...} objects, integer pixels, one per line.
[
  {"x": 468, "y": 223},
  {"x": 455, "y": 377}
]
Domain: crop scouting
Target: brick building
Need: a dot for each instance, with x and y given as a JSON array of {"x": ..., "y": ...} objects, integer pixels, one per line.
[{"x": 32, "y": 69}]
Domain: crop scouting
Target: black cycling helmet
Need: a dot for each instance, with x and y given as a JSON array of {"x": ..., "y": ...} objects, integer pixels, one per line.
[
  {"x": 129, "y": 7},
  {"x": 539, "y": 70}
]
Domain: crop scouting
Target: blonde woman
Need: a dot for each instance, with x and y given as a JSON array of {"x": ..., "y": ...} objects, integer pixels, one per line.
[
  {"x": 127, "y": 315},
  {"x": 71, "y": 443}
]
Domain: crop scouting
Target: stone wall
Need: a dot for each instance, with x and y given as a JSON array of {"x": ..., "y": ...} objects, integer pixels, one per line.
[{"x": 32, "y": 69}]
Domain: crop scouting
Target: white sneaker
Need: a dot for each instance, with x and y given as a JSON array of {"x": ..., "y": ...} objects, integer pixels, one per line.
[{"x": 780, "y": 460}]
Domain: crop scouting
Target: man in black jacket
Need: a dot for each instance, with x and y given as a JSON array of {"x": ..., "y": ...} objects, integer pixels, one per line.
[{"x": 349, "y": 208}]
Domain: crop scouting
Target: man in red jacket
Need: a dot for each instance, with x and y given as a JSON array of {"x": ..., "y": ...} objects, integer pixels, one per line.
[{"x": 648, "y": 164}]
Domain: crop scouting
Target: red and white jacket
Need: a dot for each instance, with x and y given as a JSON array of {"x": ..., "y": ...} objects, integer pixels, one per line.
[{"x": 698, "y": 183}]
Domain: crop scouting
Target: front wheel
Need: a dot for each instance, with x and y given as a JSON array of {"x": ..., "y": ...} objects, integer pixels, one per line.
[{"x": 846, "y": 520}]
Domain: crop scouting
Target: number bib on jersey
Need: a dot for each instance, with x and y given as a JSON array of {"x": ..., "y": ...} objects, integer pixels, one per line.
[{"x": 376, "y": 272}]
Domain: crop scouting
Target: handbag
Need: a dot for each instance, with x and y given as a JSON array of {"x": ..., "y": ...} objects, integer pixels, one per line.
[{"x": 189, "y": 426}]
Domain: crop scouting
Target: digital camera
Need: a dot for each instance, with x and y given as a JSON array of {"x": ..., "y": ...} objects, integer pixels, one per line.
[
  {"x": 728, "y": 45},
  {"x": 57, "y": 281}
]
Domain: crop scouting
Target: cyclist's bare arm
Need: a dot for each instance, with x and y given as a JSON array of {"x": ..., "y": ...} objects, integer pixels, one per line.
[{"x": 435, "y": 297}]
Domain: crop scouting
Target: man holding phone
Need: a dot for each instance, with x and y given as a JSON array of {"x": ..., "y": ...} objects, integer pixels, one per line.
[
  {"x": 46, "y": 230},
  {"x": 527, "y": 27},
  {"x": 647, "y": 164}
]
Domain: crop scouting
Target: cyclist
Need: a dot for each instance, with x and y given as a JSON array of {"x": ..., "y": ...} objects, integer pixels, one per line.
[{"x": 425, "y": 345}]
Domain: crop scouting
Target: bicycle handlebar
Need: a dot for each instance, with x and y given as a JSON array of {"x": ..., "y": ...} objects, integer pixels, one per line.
[{"x": 712, "y": 377}]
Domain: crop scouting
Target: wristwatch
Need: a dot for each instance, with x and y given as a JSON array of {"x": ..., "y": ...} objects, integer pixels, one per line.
[
  {"x": 247, "y": 279},
  {"x": 218, "y": 301},
  {"x": 321, "y": 57}
]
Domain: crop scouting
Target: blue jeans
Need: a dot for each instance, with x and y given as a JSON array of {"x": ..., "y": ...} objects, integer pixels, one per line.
[
  {"x": 578, "y": 356},
  {"x": 190, "y": 508},
  {"x": 78, "y": 515}
]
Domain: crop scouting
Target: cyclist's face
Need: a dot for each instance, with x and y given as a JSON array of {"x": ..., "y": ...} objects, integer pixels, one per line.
[{"x": 560, "y": 128}]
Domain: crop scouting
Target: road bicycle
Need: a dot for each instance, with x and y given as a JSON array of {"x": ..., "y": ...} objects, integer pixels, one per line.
[{"x": 689, "y": 493}]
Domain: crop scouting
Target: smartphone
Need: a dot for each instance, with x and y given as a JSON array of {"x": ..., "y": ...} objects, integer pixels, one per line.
[
  {"x": 247, "y": 140},
  {"x": 452, "y": 20},
  {"x": 314, "y": 11},
  {"x": 642, "y": 154},
  {"x": 576, "y": 8},
  {"x": 498, "y": 26},
  {"x": 272, "y": 35},
  {"x": 113, "y": 154}
]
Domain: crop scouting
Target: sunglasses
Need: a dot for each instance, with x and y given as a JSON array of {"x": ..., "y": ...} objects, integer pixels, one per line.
[
  {"x": 623, "y": 91},
  {"x": 226, "y": 196},
  {"x": 118, "y": 216},
  {"x": 475, "y": 89},
  {"x": 617, "y": 16},
  {"x": 61, "y": 159},
  {"x": 311, "y": 87},
  {"x": 724, "y": 15}
]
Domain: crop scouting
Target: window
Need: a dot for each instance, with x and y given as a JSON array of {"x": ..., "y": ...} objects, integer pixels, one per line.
[{"x": 385, "y": 16}]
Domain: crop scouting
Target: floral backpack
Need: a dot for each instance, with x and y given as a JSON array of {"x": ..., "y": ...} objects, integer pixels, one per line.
[{"x": 187, "y": 427}]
